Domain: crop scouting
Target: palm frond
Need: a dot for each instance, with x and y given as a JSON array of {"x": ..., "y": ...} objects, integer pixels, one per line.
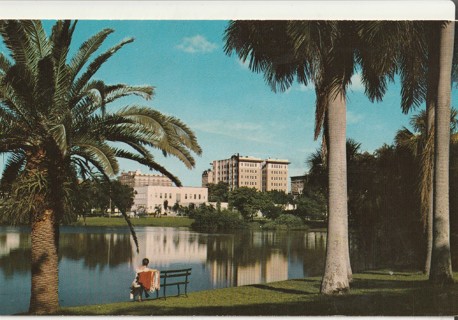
[
  {"x": 115, "y": 92},
  {"x": 85, "y": 51},
  {"x": 37, "y": 37},
  {"x": 59, "y": 134},
  {"x": 18, "y": 43},
  {"x": 5, "y": 64},
  {"x": 152, "y": 165},
  {"x": 99, "y": 154},
  {"x": 13, "y": 167},
  {"x": 95, "y": 65}
]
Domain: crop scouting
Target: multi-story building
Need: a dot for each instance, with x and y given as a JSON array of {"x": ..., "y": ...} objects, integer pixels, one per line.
[
  {"x": 152, "y": 198},
  {"x": 207, "y": 177},
  {"x": 297, "y": 185},
  {"x": 241, "y": 171},
  {"x": 138, "y": 179},
  {"x": 275, "y": 175}
]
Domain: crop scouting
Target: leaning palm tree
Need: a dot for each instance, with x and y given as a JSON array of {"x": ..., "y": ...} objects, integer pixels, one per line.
[
  {"x": 55, "y": 124},
  {"x": 325, "y": 53}
]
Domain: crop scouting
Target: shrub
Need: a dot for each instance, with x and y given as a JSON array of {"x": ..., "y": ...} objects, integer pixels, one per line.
[
  {"x": 285, "y": 222},
  {"x": 211, "y": 220}
]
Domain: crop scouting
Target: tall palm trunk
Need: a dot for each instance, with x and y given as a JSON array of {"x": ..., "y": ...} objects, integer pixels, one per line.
[
  {"x": 428, "y": 153},
  {"x": 441, "y": 267},
  {"x": 336, "y": 274}
]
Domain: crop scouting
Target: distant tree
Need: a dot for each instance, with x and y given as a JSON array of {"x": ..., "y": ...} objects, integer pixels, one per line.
[
  {"x": 279, "y": 197},
  {"x": 311, "y": 205},
  {"x": 123, "y": 194},
  {"x": 218, "y": 192},
  {"x": 245, "y": 200}
]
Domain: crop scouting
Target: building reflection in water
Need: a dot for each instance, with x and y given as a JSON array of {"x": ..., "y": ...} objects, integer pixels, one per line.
[
  {"x": 166, "y": 246},
  {"x": 228, "y": 259}
]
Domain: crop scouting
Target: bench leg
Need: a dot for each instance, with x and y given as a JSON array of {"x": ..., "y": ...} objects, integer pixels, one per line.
[{"x": 178, "y": 286}]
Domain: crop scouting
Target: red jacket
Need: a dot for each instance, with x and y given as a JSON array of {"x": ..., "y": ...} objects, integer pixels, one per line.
[{"x": 144, "y": 278}]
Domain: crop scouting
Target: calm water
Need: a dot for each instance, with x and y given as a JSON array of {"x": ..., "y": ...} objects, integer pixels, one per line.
[{"x": 97, "y": 264}]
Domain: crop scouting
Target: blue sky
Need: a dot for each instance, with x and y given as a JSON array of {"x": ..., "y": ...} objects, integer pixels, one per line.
[{"x": 230, "y": 109}]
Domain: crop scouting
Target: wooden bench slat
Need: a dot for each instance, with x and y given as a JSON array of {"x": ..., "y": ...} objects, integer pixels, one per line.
[
  {"x": 176, "y": 275},
  {"x": 177, "y": 270}
]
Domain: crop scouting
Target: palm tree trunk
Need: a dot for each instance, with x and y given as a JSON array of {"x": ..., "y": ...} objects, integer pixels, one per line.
[
  {"x": 44, "y": 236},
  {"x": 337, "y": 271},
  {"x": 441, "y": 267},
  {"x": 44, "y": 292},
  {"x": 427, "y": 184}
]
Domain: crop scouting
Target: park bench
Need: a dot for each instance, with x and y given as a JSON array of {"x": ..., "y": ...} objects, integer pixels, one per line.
[{"x": 177, "y": 278}]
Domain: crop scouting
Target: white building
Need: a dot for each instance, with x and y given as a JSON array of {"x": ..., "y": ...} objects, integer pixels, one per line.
[{"x": 152, "y": 198}]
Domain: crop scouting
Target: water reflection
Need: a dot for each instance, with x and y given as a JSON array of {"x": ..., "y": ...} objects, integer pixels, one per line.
[
  {"x": 96, "y": 250},
  {"x": 92, "y": 255}
]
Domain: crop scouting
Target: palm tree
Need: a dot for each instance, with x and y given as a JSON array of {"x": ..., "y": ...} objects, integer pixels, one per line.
[
  {"x": 55, "y": 125},
  {"x": 419, "y": 142},
  {"x": 441, "y": 267},
  {"x": 325, "y": 53},
  {"x": 416, "y": 57}
]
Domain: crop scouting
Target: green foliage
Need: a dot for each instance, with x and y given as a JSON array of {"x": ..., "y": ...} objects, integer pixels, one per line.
[
  {"x": 311, "y": 204},
  {"x": 383, "y": 204},
  {"x": 271, "y": 211},
  {"x": 97, "y": 193},
  {"x": 246, "y": 200},
  {"x": 209, "y": 219},
  {"x": 218, "y": 192},
  {"x": 285, "y": 222}
]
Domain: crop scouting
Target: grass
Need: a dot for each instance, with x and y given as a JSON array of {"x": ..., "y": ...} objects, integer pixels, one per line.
[
  {"x": 120, "y": 222},
  {"x": 374, "y": 293}
]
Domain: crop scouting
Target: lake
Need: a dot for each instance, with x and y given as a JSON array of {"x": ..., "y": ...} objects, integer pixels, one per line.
[{"x": 96, "y": 265}]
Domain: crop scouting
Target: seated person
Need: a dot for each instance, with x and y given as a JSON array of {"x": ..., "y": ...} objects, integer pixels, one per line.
[{"x": 138, "y": 285}]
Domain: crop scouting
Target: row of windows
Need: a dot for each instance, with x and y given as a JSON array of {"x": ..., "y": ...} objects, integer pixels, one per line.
[
  {"x": 277, "y": 178},
  {"x": 249, "y": 177},
  {"x": 247, "y": 164},
  {"x": 278, "y": 172},
  {"x": 249, "y": 170},
  {"x": 278, "y": 166},
  {"x": 278, "y": 185},
  {"x": 191, "y": 196},
  {"x": 249, "y": 183}
]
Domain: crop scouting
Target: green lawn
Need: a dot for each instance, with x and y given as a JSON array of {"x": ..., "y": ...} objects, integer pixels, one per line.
[
  {"x": 372, "y": 294},
  {"x": 120, "y": 222}
]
